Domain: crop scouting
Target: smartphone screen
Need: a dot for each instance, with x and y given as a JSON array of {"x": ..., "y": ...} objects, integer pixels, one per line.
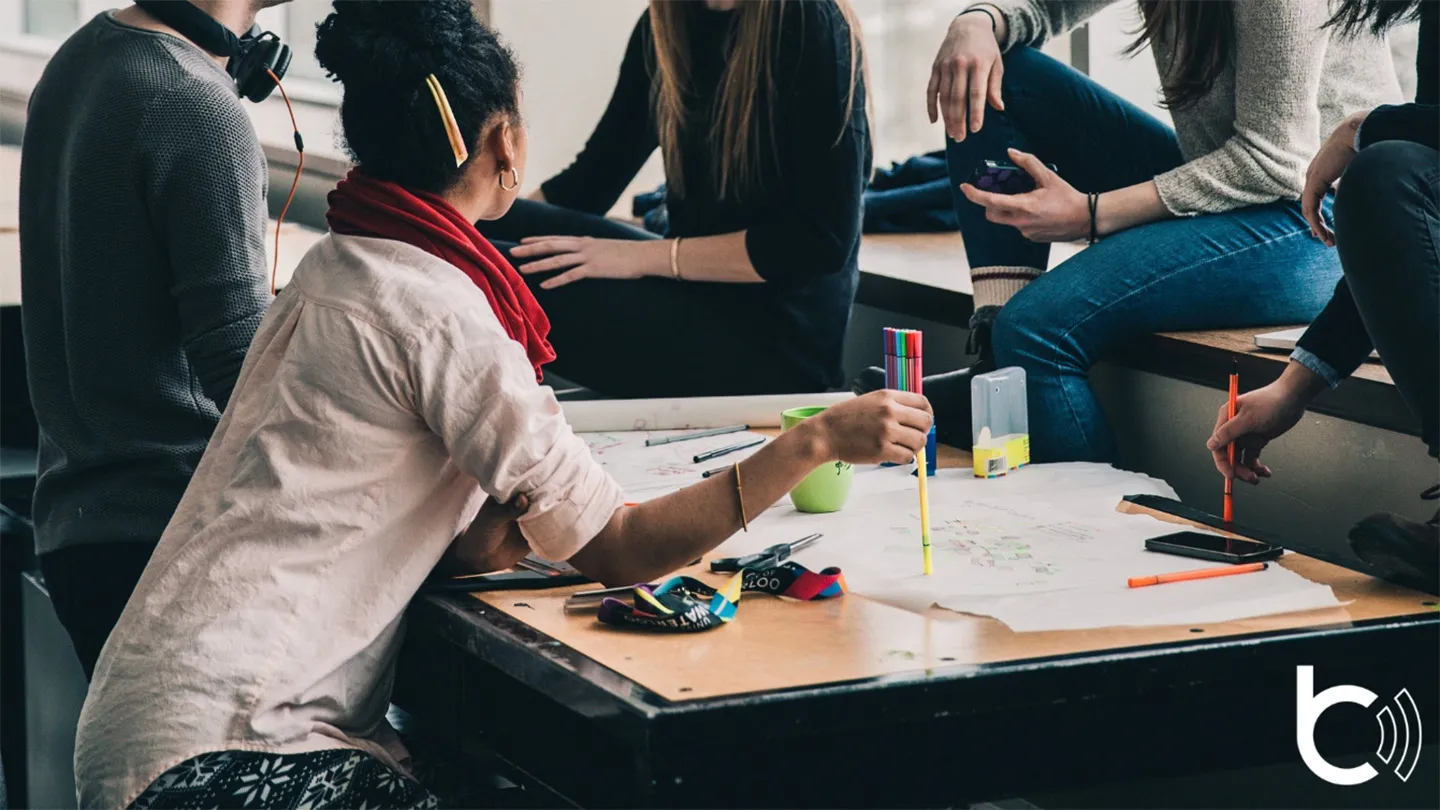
[{"x": 1213, "y": 547}]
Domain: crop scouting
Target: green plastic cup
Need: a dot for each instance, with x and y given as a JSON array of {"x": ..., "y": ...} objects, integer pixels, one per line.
[{"x": 826, "y": 488}]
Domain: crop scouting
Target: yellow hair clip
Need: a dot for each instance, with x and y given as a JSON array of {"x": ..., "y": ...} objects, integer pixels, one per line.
[{"x": 452, "y": 129}]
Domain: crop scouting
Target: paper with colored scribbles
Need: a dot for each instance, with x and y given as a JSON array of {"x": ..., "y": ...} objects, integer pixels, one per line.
[{"x": 1041, "y": 549}]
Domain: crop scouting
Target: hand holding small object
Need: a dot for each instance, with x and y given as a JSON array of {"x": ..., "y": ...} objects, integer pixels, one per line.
[{"x": 1054, "y": 212}]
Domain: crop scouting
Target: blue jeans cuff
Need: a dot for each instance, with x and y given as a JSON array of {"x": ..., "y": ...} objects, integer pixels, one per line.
[{"x": 1309, "y": 360}]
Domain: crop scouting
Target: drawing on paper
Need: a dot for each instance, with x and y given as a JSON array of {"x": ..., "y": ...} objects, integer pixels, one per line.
[
  {"x": 974, "y": 544},
  {"x": 600, "y": 443}
]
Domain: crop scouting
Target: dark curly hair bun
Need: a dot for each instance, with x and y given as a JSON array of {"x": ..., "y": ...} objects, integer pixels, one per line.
[{"x": 381, "y": 51}]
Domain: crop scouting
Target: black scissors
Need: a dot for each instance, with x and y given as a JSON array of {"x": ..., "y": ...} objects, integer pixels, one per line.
[{"x": 766, "y": 558}]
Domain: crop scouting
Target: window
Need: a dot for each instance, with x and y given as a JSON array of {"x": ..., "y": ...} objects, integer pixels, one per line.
[
  {"x": 52, "y": 19},
  {"x": 295, "y": 23},
  {"x": 301, "y": 17}
]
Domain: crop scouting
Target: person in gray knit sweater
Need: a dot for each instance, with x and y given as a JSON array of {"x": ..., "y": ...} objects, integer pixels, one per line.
[
  {"x": 1194, "y": 227},
  {"x": 143, "y": 280}
]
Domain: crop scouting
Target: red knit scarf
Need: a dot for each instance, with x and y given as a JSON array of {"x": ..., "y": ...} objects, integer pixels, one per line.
[{"x": 364, "y": 206}]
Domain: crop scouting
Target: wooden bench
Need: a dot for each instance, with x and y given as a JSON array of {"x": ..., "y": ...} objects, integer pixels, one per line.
[{"x": 925, "y": 276}]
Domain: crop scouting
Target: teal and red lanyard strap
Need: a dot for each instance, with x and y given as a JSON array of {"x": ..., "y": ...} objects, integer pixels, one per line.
[{"x": 687, "y": 605}]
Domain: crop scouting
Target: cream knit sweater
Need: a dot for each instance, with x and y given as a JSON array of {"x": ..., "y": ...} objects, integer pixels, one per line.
[{"x": 1249, "y": 140}]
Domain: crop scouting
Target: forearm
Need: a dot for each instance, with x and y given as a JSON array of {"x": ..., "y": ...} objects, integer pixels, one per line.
[
  {"x": 716, "y": 258},
  {"x": 1129, "y": 207},
  {"x": 1300, "y": 383},
  {"x": 473, "y": 552},
  {"x": 720, "y": 258},
  {"x": 1002, "y": 26},
  {"x": 654, "y": 538}
]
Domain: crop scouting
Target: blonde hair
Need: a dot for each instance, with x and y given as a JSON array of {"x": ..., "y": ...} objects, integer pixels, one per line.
[{"x": 748, "y": 81}]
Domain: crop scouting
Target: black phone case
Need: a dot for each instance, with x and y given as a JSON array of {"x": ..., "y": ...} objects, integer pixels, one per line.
[{"x": 1173, "y": 507}]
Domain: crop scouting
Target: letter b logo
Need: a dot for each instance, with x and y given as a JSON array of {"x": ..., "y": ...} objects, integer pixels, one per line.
[{"x": 1308, "y": 708}]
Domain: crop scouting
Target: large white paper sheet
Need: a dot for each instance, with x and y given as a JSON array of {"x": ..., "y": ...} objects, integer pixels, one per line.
[
  {"x": 649, "y": 472},
  {"x": 1041, "y": 549},
  {"x": 589, "y": 416}
]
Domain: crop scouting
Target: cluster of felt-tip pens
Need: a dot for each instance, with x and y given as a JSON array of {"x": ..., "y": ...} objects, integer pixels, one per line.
[
  {"x": 904, "y": 371},
  {"x": 903, "y": 367}
]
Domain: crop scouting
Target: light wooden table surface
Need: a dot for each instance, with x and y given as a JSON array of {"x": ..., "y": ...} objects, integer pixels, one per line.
[{"x": 781, "y": 644}]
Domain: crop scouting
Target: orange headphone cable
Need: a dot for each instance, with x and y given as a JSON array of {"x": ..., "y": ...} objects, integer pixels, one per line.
[{"x": 300, "y": 167}]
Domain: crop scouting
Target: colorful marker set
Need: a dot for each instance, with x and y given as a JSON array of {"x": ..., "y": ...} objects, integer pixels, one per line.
[{"x": 904, "y": 372}]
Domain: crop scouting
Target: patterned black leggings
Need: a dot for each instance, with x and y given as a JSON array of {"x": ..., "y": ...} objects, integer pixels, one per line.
[{"x": 341, "y": 778}]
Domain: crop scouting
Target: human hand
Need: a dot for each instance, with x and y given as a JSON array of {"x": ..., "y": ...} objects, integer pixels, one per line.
[
  {"x": 588, "y": 257},
  {"x": 492, "y": 541},
  {"x": 1261, "y": 416},
  {"x": 1053, "y": 212},
  {"x": 965, "y": 75},
  {"x": 1329, "y": 163},
  {"x": 879, "y": 426}
]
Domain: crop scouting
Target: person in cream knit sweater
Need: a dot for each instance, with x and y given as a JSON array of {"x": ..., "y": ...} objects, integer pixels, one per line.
[{"x": 1194, "y": 227}]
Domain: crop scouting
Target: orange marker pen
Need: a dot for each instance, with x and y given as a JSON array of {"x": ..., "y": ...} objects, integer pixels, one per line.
[
  {"x": 1230, "y": 479},
  {"x": 1203, "y": 573}
]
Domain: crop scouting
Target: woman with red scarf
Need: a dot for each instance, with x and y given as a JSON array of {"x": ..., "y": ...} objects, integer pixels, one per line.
[{"x": 388, "y": 421}]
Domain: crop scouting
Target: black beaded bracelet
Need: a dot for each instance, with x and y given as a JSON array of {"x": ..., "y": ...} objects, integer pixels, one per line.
[
  {"x": 994, "y": 24},
  {"x": 1093, "y": 203}
]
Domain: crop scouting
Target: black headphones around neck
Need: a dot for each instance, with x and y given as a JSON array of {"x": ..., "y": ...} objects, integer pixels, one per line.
[{"x": 252, "y": 57}]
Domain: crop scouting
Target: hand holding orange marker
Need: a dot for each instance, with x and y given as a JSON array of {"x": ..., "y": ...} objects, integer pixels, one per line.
[
  {"x": 1230, "y": 479},
  {"x": 1202, "y": 573}
]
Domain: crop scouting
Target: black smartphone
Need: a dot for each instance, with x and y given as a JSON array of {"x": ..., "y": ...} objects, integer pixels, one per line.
[
  {"x": 1004, "y": 178},
  {"x": 1213, "y": 547}
]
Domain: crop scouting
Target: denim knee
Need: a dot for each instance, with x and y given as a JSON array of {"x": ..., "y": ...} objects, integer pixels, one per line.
[
  {"x": 1028, "y": 335},
  {"x": 1026, "y": 68},
  {"x": 1384, "y": 175}
]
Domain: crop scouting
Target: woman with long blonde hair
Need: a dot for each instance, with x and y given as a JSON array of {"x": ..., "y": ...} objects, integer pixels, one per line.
[{"x": 759, "y": 111}]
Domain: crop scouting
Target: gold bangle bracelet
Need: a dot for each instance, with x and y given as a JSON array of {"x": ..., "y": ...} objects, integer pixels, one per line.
[
  {"x": 740, "y": 495},
  {"x": 675, "y": 259}
]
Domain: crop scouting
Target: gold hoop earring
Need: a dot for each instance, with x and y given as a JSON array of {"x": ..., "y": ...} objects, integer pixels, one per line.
[{"x": 514, "y": 176}]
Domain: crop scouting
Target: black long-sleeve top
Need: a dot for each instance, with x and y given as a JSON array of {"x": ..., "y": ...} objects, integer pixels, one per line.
[
  {"x": 1337, "y": 338},
  {"x": 1419, "y": 121},
  {"x": 802, "y": 228}
]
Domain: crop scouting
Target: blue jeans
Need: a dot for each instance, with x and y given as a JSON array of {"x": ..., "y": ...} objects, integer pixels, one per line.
[{"x": 1254, "y": 266}]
